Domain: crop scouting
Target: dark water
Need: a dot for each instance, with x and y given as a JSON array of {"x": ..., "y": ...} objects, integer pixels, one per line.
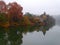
[{"x": 30, "y": 35}]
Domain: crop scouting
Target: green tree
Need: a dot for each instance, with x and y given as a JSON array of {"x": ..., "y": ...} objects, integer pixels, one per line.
[{"x": 3, "y": 18}]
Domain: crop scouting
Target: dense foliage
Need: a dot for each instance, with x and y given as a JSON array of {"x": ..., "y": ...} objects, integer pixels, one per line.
[
  {"x": 12, "y": 15},
  {"x": 13, "y": 35}
]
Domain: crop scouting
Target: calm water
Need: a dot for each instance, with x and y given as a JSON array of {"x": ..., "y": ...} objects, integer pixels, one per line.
[
  {"x": 30, "y": 35},
  {"x": 52, "y": 37}
]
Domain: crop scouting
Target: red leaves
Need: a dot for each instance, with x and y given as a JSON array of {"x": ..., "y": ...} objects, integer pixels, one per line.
[
  {"x": 12, "y": 11},
  {"x": 11, "y": 8},
  {"x": 2, "y": 7},
  {"x": 15, "y": 9}
]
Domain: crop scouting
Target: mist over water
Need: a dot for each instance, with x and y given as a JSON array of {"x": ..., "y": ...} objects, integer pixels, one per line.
[{"x": 57, "y": 18}]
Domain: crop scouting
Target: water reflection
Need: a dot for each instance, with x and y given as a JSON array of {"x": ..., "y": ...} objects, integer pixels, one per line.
[
  {"x": 10, "y": 36},
  {"x": 14, "y": 35}
]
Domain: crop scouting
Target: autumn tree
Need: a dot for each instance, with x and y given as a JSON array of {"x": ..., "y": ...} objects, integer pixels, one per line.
[
  {"x": 12, "y": 12},
  {"x": 15, "y": 12},
  {"x": 26, "y": 20},
  {"x": 3, "y": 7}
]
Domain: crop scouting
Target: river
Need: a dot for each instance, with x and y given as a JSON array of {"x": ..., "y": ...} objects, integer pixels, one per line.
[{"x": 52, "y": 37}]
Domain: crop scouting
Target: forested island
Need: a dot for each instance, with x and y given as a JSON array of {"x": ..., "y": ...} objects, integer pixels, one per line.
[
  {"x": 13, "y": 23},
  {"x": 11, "y": 15}
]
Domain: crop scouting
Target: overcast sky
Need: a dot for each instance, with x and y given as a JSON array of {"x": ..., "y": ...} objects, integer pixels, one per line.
[{"x": 51, "y": 7}]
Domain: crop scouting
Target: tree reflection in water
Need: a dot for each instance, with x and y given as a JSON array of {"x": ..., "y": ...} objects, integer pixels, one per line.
[{"x": 14, "y": 35}]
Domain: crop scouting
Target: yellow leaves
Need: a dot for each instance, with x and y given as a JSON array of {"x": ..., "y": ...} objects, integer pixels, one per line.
[
  {"x": 6, "y": 25},
  {"x": 44, "y": 16},
  {"x": 26, "y": 20}
]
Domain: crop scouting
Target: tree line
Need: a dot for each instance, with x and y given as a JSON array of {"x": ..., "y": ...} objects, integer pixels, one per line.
[{"x": 11, "y": 15}]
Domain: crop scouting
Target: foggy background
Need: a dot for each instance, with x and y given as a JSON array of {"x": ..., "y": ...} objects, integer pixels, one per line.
[{"x": 51, "y": 7}]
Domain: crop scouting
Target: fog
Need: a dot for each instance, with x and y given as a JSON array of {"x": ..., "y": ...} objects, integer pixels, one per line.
[
  {"x": 39, "y": 6},
  {"x": 57, "y": 18}
]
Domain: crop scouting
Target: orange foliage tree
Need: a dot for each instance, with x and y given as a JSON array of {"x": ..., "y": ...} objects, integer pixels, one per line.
[{"x": 13, "y": 12}]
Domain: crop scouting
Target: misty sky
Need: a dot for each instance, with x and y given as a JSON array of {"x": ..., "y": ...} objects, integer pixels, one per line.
[{"x": 51, "y": 7}]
